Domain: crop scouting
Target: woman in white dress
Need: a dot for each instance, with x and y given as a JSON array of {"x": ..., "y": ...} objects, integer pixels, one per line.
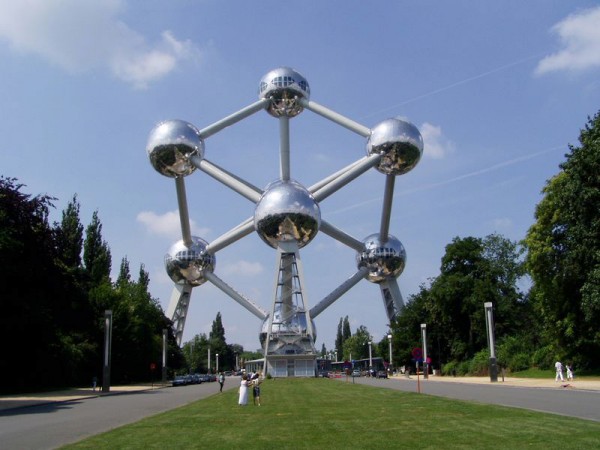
[{"x": 243, "y": 399}]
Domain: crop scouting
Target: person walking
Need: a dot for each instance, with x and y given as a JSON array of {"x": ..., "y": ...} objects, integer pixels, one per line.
[
  {"x": 221, "y": 381},
  {"x": 569, "y": 372},
  {"x": 559, "y": 371},
  {"x": 243, "y": 391}
]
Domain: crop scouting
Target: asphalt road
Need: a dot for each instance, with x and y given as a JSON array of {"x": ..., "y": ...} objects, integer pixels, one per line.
[
  {"x": 583, "y": 404},
  {"x": 54, "y": 424}
]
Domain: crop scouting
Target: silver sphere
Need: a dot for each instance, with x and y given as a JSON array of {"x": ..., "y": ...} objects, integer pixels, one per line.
[
  {"x": 401, "y": 144},
  {"x": 384, "y": 260},
  {"x": 284, "y": 86},
  {"x": 294, "y": 325},
  {"x": 186, "y": 265},
  {"x": 171, "y": 144},
  {"x": 287, "y": 212}
]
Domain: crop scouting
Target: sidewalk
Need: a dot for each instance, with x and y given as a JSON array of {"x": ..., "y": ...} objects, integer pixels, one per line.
[
  {"x": 583, "y": 384},
  {"x": 68, "y": 395}
]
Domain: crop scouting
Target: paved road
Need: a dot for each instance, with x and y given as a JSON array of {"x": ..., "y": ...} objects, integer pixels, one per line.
[
  {"x": 51, "y": 425},
  {"x": 568, "y": 401}
]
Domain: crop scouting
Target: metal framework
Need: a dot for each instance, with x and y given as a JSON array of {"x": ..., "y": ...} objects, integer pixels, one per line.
[{"x": 287, "y": 217}]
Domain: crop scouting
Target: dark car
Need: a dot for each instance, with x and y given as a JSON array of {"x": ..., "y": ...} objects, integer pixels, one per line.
[
  {"x": 382, "y": 374},
  {"x": 180, "y": 380}
]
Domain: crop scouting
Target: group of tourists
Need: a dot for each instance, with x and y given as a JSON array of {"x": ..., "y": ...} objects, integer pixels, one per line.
[{"x": 253, "y": 381}]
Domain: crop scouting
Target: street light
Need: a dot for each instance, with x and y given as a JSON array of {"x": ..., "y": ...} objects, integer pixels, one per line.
[
  {"x": 424, "y": 336},
  {"x": 390, "y": 343},
  {"x": 489, "y": 325},
  {"x": 217, "y": 357},
  {"x": 370, "y": 357}
]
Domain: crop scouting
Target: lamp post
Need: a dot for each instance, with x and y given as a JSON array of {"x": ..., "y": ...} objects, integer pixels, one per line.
[
  {"x": 390, "y": 344},
  {"x": 489, "y": 325},
  {"x": 336, "y": 356},
  {"x": 108, "y": 320},
  {"x": 424, "y": 337},
  {"x": 164, "y": 356},
  {"x": 208, "y": 358},
  {"x": 217, "y": 357},
  {"x": 370, "y": 357}
]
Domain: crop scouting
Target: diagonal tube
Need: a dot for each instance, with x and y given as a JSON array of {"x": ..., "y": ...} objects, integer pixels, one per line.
[
  {"x": 338, "y": 292},
  {"x": 346, "y": 178},
  {"x": 242, "y": 187},
  {"x": 233, "y": 118},
  {"x": 386, "y": 210},
  {"x": 250, "y": 306},
  {"x": 335, "y": 117}
]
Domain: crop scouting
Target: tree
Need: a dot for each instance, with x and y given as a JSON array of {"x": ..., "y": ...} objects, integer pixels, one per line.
[
  {"x": 564, "y": 253},
  {"x": 339, "y": 339},
  {"x": 70, "y": 236},
  {"x": 357, "y": 345},
  {"x": 96, "y": 254}
]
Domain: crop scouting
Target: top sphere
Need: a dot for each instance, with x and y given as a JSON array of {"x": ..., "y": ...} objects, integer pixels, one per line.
[
  {"x": 401, "y": 144},
  {"x": 170, "y": 146},
  {"x": 287, "y": 212},
  {"x": 284, "y": 87}
]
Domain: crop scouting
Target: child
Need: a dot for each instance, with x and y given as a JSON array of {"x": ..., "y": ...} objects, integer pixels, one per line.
[{"x": 256, "y": 389}]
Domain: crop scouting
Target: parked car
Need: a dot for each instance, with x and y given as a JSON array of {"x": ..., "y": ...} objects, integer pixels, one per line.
[
  {"x": 356, "y": 373},
  {"x": 382, "y": 374},
  {"x": 196, "y": 378},
  {"x": 179, "y": 380}
]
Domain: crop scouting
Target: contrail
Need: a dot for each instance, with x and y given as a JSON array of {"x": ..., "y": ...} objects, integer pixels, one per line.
[
  {"x": 458, "y": 83},
  {"x": 476, "y": 173}
]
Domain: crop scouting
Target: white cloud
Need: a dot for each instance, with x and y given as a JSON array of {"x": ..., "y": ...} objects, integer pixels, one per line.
[
  {"x": 579, "y": 35},
  {"x": 78, "y": 36},
  {"x": 242, "y": 268},
  {"x": 168, "y": 224},
  {"x": 436, "y": 145}
]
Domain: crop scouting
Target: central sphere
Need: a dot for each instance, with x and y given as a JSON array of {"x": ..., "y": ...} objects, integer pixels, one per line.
[
  {"x": 287, "y": 212},
  {"x": 186, "y": 265},
  {"x": 284, "y": 87},
  {"x": 384, "y": 260}
]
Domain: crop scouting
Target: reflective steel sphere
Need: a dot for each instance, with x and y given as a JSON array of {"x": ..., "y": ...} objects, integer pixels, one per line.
[
  {"x": 185, "y": 265},
  {"x": 285, "y": 212},
  {"x": 400, "y": 143},
  {"x": 170, "y": 146},
  {"x": 383, "y": 259},
  {"x": 295, "y": 324},
  {"x": 284, "y": 86}
]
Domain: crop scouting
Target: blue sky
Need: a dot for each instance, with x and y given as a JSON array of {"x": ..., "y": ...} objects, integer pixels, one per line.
[{"x": 498, "y": 90}]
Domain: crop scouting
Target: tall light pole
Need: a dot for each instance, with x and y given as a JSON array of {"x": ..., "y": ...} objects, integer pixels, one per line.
[
  {"x": 370, "y": 357},
  {"x": 390, "y": 344},
  {"x": 208, "y": 358},
  {"x": 108, "y": 320},
  {"x": 217, "y": 358},
  {"x": 164, "y": 356},
  {"x": 489, "y": 325},
  {"x": 424, "y": 337},
  {"x": 336, "y": 360}
]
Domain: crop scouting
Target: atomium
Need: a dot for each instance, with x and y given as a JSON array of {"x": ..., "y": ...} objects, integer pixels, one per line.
[{"x": 287, "y": 217}]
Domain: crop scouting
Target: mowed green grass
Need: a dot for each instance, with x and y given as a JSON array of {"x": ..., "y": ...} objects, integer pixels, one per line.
[{"x": 332, "y": 414}]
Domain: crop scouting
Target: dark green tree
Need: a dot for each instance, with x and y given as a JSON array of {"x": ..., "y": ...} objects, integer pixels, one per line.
[
  {"x": 96, "y": 253},
  {"x": 564, "y": 253}
]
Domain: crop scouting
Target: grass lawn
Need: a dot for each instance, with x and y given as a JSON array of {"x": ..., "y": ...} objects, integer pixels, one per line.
[{"x": 320, "y": 413}]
